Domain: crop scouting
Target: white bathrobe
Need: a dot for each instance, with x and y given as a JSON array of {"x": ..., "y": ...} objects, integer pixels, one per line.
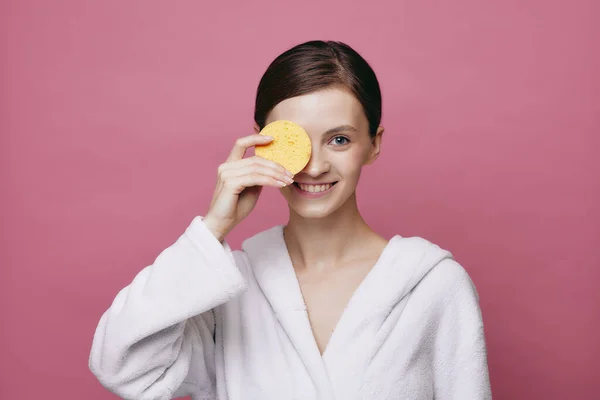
[{"x": 213, "y": 323}]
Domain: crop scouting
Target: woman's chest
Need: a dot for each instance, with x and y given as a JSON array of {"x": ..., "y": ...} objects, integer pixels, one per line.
[
  {"x": 275, "y": 355},
  {"x": 326, "y": 297}
]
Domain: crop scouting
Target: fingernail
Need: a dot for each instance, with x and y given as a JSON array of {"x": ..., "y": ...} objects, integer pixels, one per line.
[
  {"x": 288, "y": 173},
  {"x": 283, "y": 184},
  {"x": 289, "y": 180},
  {"x": 268, "y": 137}
]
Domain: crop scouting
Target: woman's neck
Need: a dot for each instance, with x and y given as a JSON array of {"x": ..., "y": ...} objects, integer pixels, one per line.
[{"x": 324, "y": 243}]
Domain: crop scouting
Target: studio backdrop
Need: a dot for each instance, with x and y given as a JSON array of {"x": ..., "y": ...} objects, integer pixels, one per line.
[{"x": 114, "y": 116}]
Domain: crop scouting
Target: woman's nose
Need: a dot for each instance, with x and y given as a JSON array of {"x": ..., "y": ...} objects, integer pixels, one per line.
[{"x": 317, "y": 164}]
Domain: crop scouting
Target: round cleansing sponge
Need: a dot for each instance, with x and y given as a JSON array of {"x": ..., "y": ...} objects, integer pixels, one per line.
[{"x": 290, "y": 146}]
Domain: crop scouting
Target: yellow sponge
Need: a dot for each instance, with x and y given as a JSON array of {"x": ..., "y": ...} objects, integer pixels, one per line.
[{"x": 290, "y": 147}]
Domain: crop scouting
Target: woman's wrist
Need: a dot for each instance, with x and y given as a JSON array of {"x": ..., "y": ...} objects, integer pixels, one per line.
[{"x": 214, "y": 227}]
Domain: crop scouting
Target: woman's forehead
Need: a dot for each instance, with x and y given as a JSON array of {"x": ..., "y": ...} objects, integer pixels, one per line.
[{"x": 321, "y": 110}]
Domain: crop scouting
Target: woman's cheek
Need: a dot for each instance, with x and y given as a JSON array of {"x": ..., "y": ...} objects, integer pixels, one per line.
[{"x": 354, "y": 162}]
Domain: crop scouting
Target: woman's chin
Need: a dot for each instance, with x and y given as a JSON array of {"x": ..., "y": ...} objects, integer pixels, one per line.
[
  {"x": 312, "y": 214},
  {"x": 313, "y": 210}
]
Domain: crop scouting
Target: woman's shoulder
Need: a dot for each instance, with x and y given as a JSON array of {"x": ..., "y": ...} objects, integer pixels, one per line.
[
  {"x": 451, "y": 278},
  {"x": 263, "y": 247},
  {"x": 438, "y": 271}
]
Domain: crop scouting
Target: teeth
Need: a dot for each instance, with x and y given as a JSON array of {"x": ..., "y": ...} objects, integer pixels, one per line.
[{"x": 314, "y": 188}]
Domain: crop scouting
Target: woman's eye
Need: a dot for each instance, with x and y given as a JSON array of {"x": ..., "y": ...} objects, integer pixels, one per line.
[{"x": 340, "y": 140}]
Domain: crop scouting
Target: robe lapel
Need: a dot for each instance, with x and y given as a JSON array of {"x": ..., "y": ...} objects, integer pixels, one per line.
[
  {"x": 361, "y": 330},
  {"x": 276, "y": 277}
]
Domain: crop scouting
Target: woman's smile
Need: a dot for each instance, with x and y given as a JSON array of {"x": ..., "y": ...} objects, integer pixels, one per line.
[{"x": 313, "y": 190}]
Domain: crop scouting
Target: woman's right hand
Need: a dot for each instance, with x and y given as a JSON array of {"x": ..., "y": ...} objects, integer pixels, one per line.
[{"x": 239, "y": 183}]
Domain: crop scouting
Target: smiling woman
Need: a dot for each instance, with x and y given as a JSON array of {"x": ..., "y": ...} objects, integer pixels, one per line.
[
  {"x": 342, "y": 144},
  {"x": 322, "y": 307}
]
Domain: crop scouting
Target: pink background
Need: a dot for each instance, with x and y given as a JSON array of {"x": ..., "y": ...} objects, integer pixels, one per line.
[{"x": 114, "y": 117}]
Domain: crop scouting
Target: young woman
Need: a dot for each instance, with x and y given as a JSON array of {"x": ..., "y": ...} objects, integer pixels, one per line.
[{"x": 320, "y": 308}]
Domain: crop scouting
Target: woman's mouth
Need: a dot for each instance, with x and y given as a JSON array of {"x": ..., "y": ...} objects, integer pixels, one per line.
[{"x": 313, "y": 190}]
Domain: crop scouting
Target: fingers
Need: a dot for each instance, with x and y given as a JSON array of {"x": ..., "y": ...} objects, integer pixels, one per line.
[
  {"x": 260, "y": 169},
  {"x": 253, "y": 171},
  {"x": 243, "y": 143},
  {"x": 238, "y": 173},
  {"x": 255, "y": 160},
  {"x": 238, "y": 183}
]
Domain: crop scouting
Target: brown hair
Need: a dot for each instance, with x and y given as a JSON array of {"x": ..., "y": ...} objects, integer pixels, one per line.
[{"x": 315, "y": 65}]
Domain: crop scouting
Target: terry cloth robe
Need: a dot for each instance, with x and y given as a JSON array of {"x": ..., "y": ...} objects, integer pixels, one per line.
[{"x": 213, "y": 323}]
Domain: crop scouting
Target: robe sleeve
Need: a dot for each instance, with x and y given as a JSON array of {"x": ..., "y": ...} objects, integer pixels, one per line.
[
  {"x": 161, "y": 326},
  {"x": 460, "y": 357}
]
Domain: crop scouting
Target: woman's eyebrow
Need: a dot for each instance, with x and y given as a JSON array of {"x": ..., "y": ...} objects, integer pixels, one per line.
[{"x": 341, "y": 128}]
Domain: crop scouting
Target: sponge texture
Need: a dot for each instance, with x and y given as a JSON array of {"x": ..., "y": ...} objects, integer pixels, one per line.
[{"x": 290, "y": 146}]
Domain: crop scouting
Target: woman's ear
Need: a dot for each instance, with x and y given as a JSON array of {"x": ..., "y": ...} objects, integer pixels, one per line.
[
  {"x": 256, "y": 128},
  {"x": 376, "y": 145}
]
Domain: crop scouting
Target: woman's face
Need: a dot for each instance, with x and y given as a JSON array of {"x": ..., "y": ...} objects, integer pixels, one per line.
[{"x": 339, "y": 131}]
